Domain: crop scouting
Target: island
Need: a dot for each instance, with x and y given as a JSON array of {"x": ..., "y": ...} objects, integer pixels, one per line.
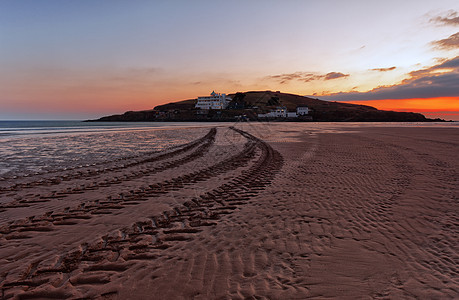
[{"x": 263, "y": 105}]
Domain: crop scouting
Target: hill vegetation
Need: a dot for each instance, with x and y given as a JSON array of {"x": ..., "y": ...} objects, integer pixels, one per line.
[{"x": 249, "y": 104}]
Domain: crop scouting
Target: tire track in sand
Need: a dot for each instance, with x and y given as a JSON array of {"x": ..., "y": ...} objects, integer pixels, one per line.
[
  {"x": 95, "y": 263},
  {"x": 51, "y": 220},
  {"x": 328, "y": 228},
  {"x": 128, "y": 162},
  {"x": 201, "y": 148}
]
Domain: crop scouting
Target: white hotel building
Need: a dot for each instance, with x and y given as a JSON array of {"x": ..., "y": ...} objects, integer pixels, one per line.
[
  {"x": 282, "y": 112},
  {"x": 214, "y": 101}
]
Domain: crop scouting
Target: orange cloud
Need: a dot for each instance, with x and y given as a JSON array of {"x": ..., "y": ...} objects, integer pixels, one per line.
[
  {"x": 451, "y": 19},
  {"x": 417, "y": 104},
  {"x": 442, "y": 107},
  {"x": 306, "y": 77},
  {"x": 452, "y": 42},
  {"x": 433, "y": 82},
  {"x": 383, "y": 69}
]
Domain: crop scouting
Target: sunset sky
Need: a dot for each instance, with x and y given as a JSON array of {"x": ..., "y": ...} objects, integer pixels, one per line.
[{"x": 89, "y": 58}]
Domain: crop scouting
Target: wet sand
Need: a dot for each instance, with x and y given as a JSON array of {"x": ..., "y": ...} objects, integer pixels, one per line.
[{"x": 279, "y": 211}]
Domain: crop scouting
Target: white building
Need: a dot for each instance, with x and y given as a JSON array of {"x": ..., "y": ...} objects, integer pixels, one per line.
[
  {"x": 214, "y": 101},
  {"x": 282, "y": 112},
  {"x": 302, "y": 110},
  {"x": 279, "y": 112}
]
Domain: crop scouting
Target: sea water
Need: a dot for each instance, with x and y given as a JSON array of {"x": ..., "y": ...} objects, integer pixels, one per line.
[{"x": 33, "y": 147}]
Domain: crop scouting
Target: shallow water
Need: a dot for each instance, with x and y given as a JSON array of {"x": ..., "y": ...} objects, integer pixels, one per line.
[{"x": 44, "y": 146}]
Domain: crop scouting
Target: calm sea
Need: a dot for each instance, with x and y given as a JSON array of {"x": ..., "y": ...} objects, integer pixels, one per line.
[
  {"x": 31, "y": 147},
  {"x": 19, "y": 128}
]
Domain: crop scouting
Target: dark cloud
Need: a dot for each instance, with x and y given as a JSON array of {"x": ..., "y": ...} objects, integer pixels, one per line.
[
  {"x": 452, "y": 64},
  {"x": 284, "y": 78},
  {"x": 305, "y": 77},
  {"x": 438, "y": 81},
  {"x": 451, "y": 18},
  {"x": 334, "y": 75},
  {"x": 383, "y": 69},
  {"x": 452, "y": 42}
]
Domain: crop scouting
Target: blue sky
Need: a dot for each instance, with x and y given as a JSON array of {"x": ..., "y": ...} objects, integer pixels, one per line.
[{"x": 80, "y": 59}]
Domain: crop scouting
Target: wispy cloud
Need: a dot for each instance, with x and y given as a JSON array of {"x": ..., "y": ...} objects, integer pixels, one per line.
[
  {"x": 451, "y": 42},
  {"x": 305, "y": 76},
  {"x": 383, "y": 69},
  {"x": 436, "y": 81},
  {"x": 451, "y": 18},
  {"x": 284, "y": 78},
  {"x": 334, "y": 75}
]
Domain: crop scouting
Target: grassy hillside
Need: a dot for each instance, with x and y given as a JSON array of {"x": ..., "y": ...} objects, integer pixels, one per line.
[{"x": 253, "y": 102}]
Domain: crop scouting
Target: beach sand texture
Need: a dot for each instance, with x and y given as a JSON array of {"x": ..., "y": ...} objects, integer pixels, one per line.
[{"x": 258, "y": 211}]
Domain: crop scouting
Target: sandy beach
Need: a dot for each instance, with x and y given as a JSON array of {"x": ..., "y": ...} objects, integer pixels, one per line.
[{"x": 254, "y": 211}]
